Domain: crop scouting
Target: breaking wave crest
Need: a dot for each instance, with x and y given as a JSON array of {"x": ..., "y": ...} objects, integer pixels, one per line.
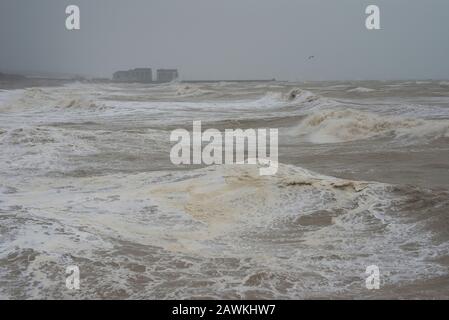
[
  {"x": 209, "y": 196},
  {"x": 79, "y": 103},
  {"x": 361, "y": 90},
  {"x": 189, "y": 90},
  {"x": 343, "y": 125},
  {"x": 41, "y": 98},
  {"x": 296, "y": 99}
]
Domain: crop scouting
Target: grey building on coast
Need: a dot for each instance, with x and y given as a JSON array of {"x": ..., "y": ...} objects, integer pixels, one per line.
[
  {"x": 167, "y": 75},
  {"x": 143, "y": 75}
]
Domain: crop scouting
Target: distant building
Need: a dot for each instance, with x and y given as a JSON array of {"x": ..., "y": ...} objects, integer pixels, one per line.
[
  {"x": 166, "y": 75},
  {"x": 144, "y": 75}
]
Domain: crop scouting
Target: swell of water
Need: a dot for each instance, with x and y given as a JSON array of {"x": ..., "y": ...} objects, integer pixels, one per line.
[{"x": 343, "y": 125}]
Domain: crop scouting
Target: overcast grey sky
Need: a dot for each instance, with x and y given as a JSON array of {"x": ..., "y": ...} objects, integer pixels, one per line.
[{"x": 229, "y": 39}]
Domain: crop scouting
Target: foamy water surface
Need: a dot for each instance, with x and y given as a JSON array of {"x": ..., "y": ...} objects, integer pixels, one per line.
[{"x": 86, "y": 180}]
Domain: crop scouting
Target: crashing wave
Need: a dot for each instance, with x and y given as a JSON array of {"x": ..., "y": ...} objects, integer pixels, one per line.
[
  {"x": 79, "y": 103},
  {"x": 33, "y": 98},
  {"x": 294, "y": 98},
  {"x": 226, "y": 195},
  {"x": 189, "y": 90},
  {"x": 361, "y": 90},
  {"x": 300, "y": 95},
  {"x": 344, "y": 125}
]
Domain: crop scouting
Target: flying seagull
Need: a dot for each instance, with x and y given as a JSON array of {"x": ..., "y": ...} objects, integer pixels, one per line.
[{"x": 310, "y": 57}]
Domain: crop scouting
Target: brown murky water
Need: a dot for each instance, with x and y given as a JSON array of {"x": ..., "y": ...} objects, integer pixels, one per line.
[{"x": 86, "y": 180}]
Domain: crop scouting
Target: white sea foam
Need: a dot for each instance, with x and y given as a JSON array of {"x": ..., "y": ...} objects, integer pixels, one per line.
[
  {"x": 83, "y": 180},
  {"x": 361, "y": 90},
  {"x": 285, "y": 231},
  {"x": 343, "y": 125}
]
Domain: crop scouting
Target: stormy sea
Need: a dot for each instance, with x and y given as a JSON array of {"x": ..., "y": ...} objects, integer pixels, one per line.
[{"x": 86, "y": 180}]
